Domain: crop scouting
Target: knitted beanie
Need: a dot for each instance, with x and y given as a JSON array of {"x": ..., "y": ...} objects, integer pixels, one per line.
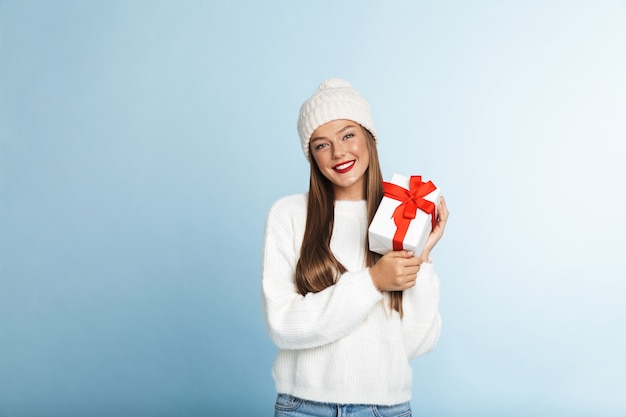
[{"x": 334, "y": 99}]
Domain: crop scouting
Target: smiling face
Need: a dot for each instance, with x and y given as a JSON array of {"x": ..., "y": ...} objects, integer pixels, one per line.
[{"x": 339, "y": 148}]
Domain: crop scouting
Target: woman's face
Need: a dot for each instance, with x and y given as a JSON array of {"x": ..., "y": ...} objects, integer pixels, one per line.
[{"x": 339, "y": 148}]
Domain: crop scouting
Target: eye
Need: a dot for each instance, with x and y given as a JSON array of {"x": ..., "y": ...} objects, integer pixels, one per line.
[
  {"x": 320, "y": 146},
  {"x": 348, "y": 136}
]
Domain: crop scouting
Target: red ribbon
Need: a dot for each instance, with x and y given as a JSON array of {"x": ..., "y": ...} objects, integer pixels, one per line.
[{"x": 410, "y": 200}]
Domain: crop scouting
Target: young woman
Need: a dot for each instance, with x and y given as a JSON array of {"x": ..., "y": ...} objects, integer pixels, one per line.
[{"x": 346, "y": 320}]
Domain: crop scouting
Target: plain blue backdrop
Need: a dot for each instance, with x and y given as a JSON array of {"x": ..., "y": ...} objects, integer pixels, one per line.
[{"x": 142, "y": 143}]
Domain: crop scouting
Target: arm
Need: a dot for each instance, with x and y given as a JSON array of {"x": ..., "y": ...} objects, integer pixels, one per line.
[
  {"x": 300, "y": 322},
  {"x": 421, "y": 324}
]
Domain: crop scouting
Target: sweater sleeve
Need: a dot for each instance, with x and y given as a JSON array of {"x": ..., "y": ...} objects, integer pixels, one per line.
[
  {"x": 301, "y": 322},
  {"x": 421, "y": 324}
]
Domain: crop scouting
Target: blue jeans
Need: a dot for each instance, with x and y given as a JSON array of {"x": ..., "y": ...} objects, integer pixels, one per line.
[{"x": 290, "y": 406}]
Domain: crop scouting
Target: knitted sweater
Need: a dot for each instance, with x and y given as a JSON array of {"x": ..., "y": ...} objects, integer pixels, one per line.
[{"x": 343, "y": 344}]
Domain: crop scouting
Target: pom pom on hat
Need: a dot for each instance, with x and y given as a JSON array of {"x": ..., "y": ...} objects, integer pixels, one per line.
[{"x": 334, "y": 99}]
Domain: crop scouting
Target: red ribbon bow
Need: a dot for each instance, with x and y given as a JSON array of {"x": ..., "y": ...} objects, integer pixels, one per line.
[{"x": 410, "y": 200}]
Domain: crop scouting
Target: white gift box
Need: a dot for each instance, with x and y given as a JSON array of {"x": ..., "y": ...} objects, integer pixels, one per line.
[{"x": 383, "y": 229}]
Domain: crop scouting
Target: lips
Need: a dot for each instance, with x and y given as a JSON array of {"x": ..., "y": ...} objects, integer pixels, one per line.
[{"x": 344, "y": 166}]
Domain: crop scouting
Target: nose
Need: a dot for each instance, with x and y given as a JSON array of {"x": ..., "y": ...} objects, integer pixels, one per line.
[{"x": 339, "y": 150}]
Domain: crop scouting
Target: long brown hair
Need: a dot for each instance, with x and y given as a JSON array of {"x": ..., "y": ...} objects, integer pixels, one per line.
[{"x": 317, "y": 267}]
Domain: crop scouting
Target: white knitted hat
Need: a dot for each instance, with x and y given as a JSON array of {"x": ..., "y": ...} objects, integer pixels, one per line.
[{"x": 334, "y": 99}]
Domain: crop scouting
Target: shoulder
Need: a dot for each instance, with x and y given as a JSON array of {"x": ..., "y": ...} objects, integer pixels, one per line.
[
  {"x": 288, "y": 209},
  {"x": 291, "y": 204}
]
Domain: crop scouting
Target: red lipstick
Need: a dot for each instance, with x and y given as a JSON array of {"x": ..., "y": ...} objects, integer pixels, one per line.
[{"x": 344, "y": 167}]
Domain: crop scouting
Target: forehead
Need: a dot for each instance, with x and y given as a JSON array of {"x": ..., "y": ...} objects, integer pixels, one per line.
[{"x": 333, "y": 128}]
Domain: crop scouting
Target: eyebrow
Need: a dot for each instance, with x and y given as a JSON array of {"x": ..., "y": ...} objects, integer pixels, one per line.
[{"x": 336, "y": 133}]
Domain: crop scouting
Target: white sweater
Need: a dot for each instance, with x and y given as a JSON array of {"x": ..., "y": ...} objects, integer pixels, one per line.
[{"x": 343, "y": 344}]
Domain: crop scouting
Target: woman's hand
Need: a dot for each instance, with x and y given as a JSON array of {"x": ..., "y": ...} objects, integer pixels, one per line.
[
  {"x": 437, "y": 232},
  {"x": 396, "y": 271}
]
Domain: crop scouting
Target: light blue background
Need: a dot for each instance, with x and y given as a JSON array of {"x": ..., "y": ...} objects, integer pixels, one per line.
[{"x": 142, "y": 143}]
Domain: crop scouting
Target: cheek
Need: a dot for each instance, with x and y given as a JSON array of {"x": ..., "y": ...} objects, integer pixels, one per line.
[
  {"x": 360, "y": 149},
  {"x": 315, "y": 158},
  {"x": 319, "y": 161}
]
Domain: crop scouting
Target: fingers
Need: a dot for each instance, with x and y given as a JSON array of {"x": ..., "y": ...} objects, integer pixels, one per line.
[
  {"x": 407, "y": 264},
  {"x": 435, "y": 235},
  {"x": 409, "y": 273},
  {"x": 409, "y": 281},
  {"x": 442, "y": 211},
  {"x": 400, "y": 254},
  {"x": 406, "y": 254},
  {"x": 410, "y": 284},
  {"x": 397, "y": 270}
]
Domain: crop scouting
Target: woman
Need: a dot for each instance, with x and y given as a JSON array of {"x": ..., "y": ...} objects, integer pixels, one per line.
[{"x": 346, "y": 320}]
